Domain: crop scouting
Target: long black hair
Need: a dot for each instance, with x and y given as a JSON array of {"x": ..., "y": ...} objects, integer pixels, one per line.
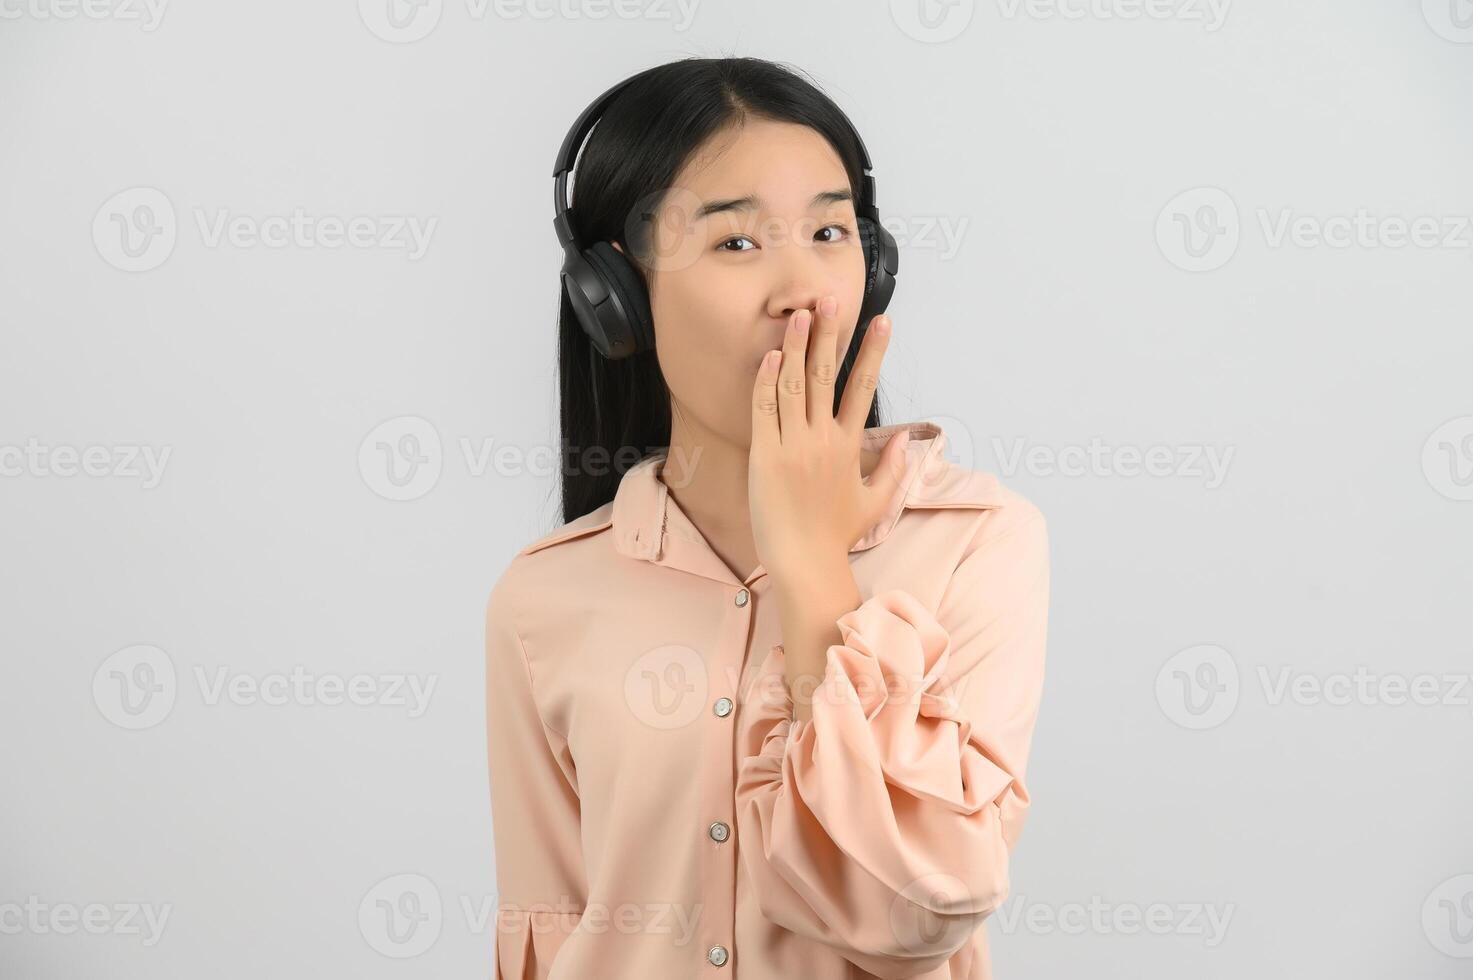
[{"x": 616, "y": 412}]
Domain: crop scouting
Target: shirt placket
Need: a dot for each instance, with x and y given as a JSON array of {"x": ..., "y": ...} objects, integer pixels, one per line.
[
  {"x": 718, "y": 775},
  {"x": 678, "y": 544}
]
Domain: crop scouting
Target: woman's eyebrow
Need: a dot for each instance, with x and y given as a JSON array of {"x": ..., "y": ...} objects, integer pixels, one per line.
[{"x": 751, "y": 202}]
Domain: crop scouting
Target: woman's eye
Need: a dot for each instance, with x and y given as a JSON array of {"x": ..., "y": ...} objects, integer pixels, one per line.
[{"x": 722, "y": 247}]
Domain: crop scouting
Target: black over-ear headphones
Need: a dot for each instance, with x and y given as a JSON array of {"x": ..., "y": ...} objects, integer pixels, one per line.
[{"x": 607, "y": 292}]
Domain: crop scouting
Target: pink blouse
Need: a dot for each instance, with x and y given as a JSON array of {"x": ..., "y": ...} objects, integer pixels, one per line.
[{"x": 659, "y": 814}]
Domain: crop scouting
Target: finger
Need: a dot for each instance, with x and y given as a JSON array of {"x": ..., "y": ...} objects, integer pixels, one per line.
[
  {"x": 859, "y": 390},
  {"x": 823, "y": 360},
  {"x": 764, "y": 401},
  {"x": 792, "y": 404}
]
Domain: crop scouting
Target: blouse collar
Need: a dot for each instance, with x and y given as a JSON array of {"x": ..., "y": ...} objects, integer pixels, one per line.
[{"x": 648, "y": 524}]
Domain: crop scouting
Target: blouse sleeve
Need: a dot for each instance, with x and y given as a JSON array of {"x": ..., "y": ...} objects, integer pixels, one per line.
[
  {"x": 882, "y": 825},
  {"x": 535, "y": 812}
]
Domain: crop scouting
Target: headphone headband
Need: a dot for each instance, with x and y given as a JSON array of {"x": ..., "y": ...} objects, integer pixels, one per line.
[{"x": 567, "y": 156}]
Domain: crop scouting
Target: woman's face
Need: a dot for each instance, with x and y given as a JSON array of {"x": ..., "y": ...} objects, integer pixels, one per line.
[{"x": 728, "y": 273}]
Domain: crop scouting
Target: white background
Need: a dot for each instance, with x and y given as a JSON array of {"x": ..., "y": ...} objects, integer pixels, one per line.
[{"x": 1041, "y": 165}]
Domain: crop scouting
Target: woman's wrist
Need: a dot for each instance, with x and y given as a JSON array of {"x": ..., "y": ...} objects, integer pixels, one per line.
[{"x": 811, "y": 599}]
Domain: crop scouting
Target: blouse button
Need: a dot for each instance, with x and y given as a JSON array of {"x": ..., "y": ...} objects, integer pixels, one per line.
[
  {"x": 719, "y": 832},
  {"x": 717, "y": 955},
  {"x": 741, "y": 598},
  {"x": 722, "y": 707}
]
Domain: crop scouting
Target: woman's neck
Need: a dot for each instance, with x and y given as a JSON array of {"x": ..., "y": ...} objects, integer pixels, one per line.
[{"x": 706, "y": 474}]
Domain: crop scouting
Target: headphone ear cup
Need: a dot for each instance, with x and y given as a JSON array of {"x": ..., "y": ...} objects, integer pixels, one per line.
[
  {"x": 881, "y": 263},
  {"x": 867, "y": 240},
  {"x": 623, "y": 318}
]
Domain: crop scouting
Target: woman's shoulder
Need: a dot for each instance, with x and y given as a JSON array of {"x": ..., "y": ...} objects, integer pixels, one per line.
[
  {"x": 539, "y": 569},
  {"x": 590, "y": 523},
  {"x": 944, "y": 484},
  {"x": 978, "y": 512}
]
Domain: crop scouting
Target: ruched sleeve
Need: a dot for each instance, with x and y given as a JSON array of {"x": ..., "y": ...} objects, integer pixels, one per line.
[
  {"x": 882, "y": 826},
  {"x": 535, "y": 813}
]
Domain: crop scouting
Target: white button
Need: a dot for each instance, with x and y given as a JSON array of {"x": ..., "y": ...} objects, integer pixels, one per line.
[
  {"x": 722, "y": 707},
  {"x": 741, "y": 598},
  {"x": 719, "y": 831},
  {"x": 717, "y": 955}
]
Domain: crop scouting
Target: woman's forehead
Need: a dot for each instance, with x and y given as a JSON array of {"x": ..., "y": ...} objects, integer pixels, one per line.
[{"x": 781, "y": 164}]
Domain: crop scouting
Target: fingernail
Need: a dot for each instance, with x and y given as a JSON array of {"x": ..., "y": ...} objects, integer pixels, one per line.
[
  {"x": 882, "y": 326},
  {"x": 828, "y": 306},
  {"x": 801, "y": 320}
]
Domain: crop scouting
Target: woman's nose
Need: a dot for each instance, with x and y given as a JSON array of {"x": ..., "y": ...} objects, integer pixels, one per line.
[{"x": 800, "y": 282}]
